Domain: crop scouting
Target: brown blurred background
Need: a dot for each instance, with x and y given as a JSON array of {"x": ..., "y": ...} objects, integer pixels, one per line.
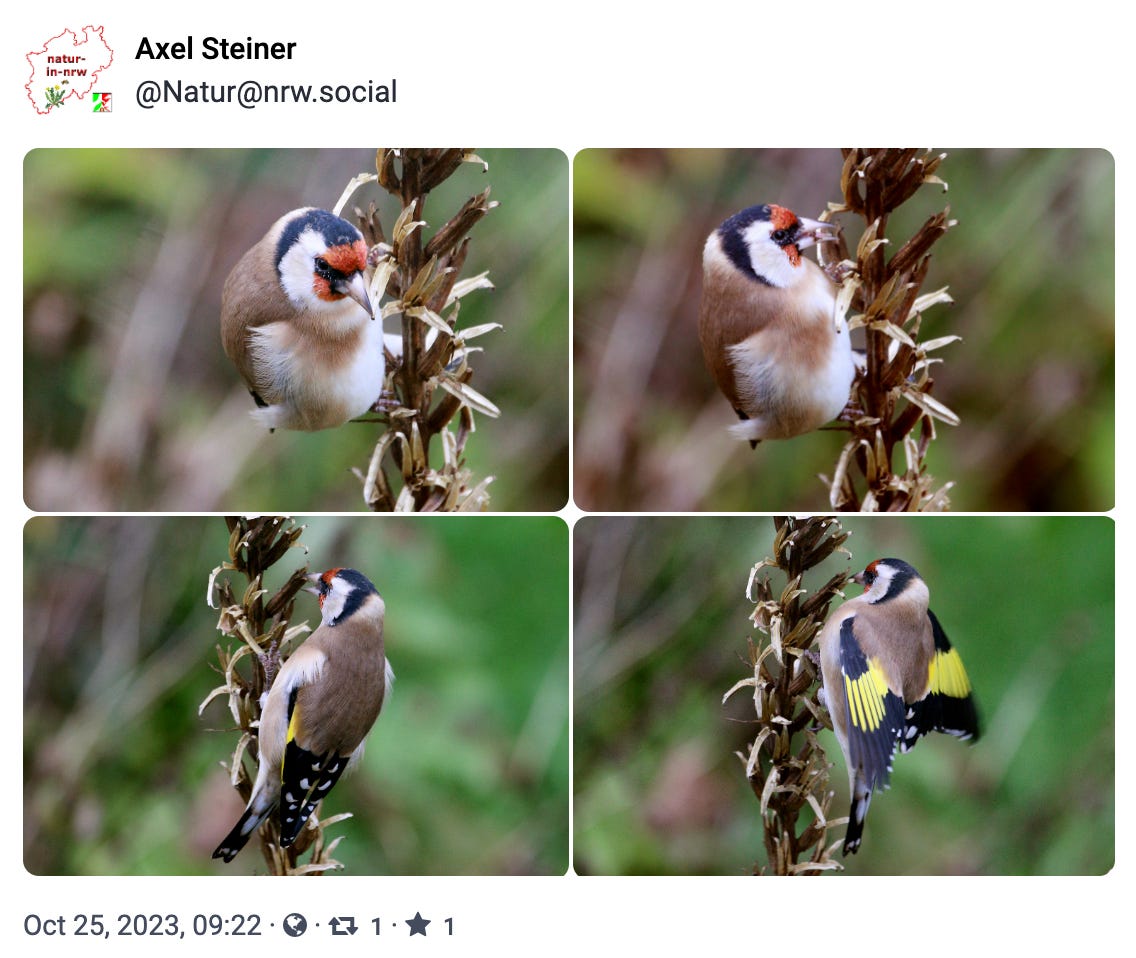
[
  {"x": 129, "y": 401},
  {"x": 1030, "y": 266}
]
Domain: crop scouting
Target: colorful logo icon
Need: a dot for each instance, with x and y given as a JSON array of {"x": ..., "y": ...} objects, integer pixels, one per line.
[{"x": 68, "y": 66}]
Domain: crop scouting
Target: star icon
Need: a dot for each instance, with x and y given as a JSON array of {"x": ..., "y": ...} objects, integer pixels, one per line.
[{"x": 418, "y": 924}]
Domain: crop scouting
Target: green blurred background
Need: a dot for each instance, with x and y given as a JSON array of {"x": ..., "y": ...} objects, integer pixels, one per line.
[
  {"x": 660, "y": 636},
  {"x": 1030, "y": 266},
  {"x": 129, "y": 401},
  {"x": 466, "y": 771}
]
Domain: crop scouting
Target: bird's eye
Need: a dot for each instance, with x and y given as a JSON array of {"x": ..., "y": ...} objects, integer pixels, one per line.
[
  {"x": 780, "y": 237},
  {"x": 322, "y": 264}
]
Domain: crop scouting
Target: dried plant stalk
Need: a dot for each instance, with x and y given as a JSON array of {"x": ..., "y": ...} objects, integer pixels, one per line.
[
  {"x": 893, "y": 407},
  {"x": 786, "y": 766},
  {"x": 428, "y": 372},
  {"x": 261, "y": 624}
]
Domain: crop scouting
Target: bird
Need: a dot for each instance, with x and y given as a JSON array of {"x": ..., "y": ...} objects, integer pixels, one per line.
[
  {"x": 890, "y": 676},
  {"x": 319, "y": 709},
  {"x": 298, "y": 323},
  {"x": 769, "y": 327}
]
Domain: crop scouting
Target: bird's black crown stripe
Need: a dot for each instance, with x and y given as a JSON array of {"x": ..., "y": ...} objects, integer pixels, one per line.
[
  {"x": 902, "y": 575},
  {"x": 362, "y": 587},
  {"x": 734, "y": 244},
  {"x": 334, "y": 230}
]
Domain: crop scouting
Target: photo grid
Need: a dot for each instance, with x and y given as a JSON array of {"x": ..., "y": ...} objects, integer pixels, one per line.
[{"x": 544, "y": 544}]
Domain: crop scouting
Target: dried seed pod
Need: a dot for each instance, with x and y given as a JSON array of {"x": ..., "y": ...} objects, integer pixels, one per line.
[
  {"x": 785, "y": 765},
  {"x": 428, "y": 379},
  {"x": 893, "y": 392},
  {"x": 265, "y": 633}
]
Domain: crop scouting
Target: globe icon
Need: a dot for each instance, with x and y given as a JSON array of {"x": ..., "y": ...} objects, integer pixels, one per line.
[{"x": 295, "y": 925}]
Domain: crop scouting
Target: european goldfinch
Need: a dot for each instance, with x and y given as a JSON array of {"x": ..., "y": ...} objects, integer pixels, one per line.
[
  {"x": 890, "y": 677},
  {"x": 319, "y": 709},
  {"x": 297, "y": 322},
  {"x": 768, "y": 324}
]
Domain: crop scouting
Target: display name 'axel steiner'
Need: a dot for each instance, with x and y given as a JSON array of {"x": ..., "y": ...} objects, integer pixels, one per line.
[{"x": 215, "y": 48}]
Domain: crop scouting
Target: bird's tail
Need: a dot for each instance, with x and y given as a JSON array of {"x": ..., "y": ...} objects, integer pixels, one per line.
[
  {"x": 857, "y": 815},
  {"x": 248, "y": 823},
  {"x": 749, "y": 429}
]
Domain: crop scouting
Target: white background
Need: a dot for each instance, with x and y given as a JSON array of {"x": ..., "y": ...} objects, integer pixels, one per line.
[{"x": 591, "y": 74}]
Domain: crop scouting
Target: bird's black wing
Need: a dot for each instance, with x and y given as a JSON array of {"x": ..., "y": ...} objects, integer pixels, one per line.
[
  {"x": 874, "y": 713},
  {"x": 949, "y": 705},
  {"x": 305, "y": 777}
]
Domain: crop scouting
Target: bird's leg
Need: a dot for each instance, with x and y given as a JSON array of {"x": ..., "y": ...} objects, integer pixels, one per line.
[
  {"x": 379, "y": 252},
  {"x": 270, "y": 662},
  {"x": 838, "y": 271},
  {"x": 813, "y": 655},
  {"x": 386, "y": 403}
]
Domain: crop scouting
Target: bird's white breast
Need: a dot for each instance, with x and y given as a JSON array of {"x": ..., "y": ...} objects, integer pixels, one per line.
[
  {"x": 795, "y": 374},
  {"x": 319, "y": 381}
]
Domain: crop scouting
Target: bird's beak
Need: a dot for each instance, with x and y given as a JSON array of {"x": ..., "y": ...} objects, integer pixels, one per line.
[
  {"x": 312, "y": 577},
  {"x": 858, "y": 578},
  {"x": 356, "y": 288},
  {"x": 814, "y": 231}
]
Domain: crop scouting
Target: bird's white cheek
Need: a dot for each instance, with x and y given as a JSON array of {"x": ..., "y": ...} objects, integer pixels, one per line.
[
  {"x": 298, "y": 279},
  {"x": 332, "y": 606},
  {"x": 769, "y": 261}
]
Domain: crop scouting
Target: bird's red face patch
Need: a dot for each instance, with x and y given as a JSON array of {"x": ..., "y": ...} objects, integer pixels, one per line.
[
  {"x": 784, "y": 219},
  {"x": 347, "y": 258},
  {"x": 342, "y": 260},
  {"x": 325, "y": 584},
  {"x": 781, "y": 218}
]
